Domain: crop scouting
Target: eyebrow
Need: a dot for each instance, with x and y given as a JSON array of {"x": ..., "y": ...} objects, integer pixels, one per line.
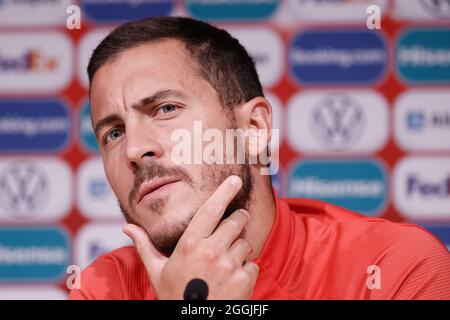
[
  {"x": 158, "y": 96},
  {"x": 140, "y": 105}
]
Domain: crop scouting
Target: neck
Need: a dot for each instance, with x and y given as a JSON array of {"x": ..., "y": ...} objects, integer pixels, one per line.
[{"x": 262, "y": 215}]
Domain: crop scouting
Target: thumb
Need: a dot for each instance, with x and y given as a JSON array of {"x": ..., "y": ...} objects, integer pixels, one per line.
[{"x": 152, "y": 259}]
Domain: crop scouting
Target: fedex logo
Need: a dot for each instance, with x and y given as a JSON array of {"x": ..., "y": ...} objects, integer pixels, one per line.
[
  {"x": 32, "y": 60},
  {"x": 35, "y": 62},
  {"x": 421, "y": 187},
  {"x": 428, "y": 188}
]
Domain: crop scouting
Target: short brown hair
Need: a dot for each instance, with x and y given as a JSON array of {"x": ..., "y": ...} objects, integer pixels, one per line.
[{"x": 221, "y": 59}]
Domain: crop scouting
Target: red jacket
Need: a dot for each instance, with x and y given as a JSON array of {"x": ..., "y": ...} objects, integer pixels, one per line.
[{"x": 315, "y": 250}]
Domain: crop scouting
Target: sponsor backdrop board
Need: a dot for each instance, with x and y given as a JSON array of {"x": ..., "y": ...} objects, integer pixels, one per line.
[{"x": 363, "y": 113}]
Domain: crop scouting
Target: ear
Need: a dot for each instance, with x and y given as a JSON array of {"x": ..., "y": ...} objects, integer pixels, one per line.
[{"x": 255, "y": 117}]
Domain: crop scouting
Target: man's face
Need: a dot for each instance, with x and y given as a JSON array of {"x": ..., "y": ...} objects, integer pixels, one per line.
[{"x": 137, "y": 101}]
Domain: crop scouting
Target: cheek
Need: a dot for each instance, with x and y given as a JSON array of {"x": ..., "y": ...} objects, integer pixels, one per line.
[{"x": 119, "y": 177}]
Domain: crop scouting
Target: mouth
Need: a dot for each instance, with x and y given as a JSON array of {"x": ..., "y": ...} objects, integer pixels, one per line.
[{"x": 154, "y": 187}]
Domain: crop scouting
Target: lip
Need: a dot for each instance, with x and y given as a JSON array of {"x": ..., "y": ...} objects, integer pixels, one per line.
[{"x": 153, "y": 185}]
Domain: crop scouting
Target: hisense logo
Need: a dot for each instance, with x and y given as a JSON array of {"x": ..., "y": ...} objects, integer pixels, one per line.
[
  {"x": 319, "y": 188},
  {"x": 359, "y": 185},
  {"x": 231, "y": 9},
  {"x": 37, "y": 254},
  {"x": 424, "y": 57},
  {"x": 40, "y": 255}
]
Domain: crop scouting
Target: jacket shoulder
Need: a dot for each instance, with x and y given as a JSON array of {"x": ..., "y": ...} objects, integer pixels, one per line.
[{"x": 118, "y": 274}]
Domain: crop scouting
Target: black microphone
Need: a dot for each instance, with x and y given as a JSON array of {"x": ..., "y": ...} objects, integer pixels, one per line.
[{"x": 196, "y": 289}]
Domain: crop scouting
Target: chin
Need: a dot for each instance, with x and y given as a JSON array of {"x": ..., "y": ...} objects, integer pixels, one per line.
[
  {"x": 165, "y": 235},
  {"x": 170, "y": 218}
]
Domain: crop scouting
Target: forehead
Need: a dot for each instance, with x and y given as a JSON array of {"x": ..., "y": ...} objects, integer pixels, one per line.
[{"x": 143, "y": 70}]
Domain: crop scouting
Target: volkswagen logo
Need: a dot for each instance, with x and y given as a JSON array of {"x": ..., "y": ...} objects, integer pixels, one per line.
[
  {"x": 23, "y": 189},
  {"x": 438, "y": 8},
  {"x": 337, "y": 121}
]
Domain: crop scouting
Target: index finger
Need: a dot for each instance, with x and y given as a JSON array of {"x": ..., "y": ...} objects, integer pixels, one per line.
[{"x": 210, "y": 213}]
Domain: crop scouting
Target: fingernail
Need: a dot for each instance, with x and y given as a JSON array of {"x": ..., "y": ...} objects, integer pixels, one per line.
[
  {"x": 235, "y": 181},
  {"x": 127, "y": 233},
  {"x": 245, "y": 213}
]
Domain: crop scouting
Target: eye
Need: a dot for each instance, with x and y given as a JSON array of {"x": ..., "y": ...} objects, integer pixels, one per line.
[
  {"x": 167, "y": 108},
  {"x": 113, "y": 135}
]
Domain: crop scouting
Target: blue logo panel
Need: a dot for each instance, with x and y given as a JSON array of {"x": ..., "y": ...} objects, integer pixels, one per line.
[
  {"x": 423, "y": 56},
  {"x": 33, "y": 126},
  {"x": 442, "y": 232},
  {"x": 123, "y": 10},
  {"x": 415, "y": 120},
  {"x": 338, "y": 57},
  {"x": 87, "y": 135},
  {"x": 231, "y": 10},
  {"x": 356, "y": 185},
  {"x": 276, "y": 183},
  {"x": 33, "y": 254}
]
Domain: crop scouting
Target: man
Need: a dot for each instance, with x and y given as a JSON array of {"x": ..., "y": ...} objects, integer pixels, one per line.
[{"x": 221, "y": 221}]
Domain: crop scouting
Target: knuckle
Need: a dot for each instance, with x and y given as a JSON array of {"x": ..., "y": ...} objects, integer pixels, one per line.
[
  {"x": 243, "y": 277},
  {"x": 244, "y": 243},
  {"x": 239, "y": 243},
  {"x": 241, "y": 214},
  {"x": 213, "y": 209},
  {"x": 138, "y": 247},
  {"x": 188, "y": 245},
  {"x": 227, "y": 265},
  {"x": 254, "y": 268},
  {"x": 211, "y": 254},
  {"x": 234, "y": 225},
  {"x": 249, "y": 247}
]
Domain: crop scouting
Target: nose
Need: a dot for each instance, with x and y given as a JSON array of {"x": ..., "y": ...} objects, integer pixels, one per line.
[{"x": 141, "y": 146}]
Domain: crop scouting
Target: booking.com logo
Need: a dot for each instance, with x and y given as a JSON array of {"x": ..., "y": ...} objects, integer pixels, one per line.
[
  {"x": 329, "y": 57},
  {"x": 33, "y": 125},
  {"x": 124, "y": 10}
]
